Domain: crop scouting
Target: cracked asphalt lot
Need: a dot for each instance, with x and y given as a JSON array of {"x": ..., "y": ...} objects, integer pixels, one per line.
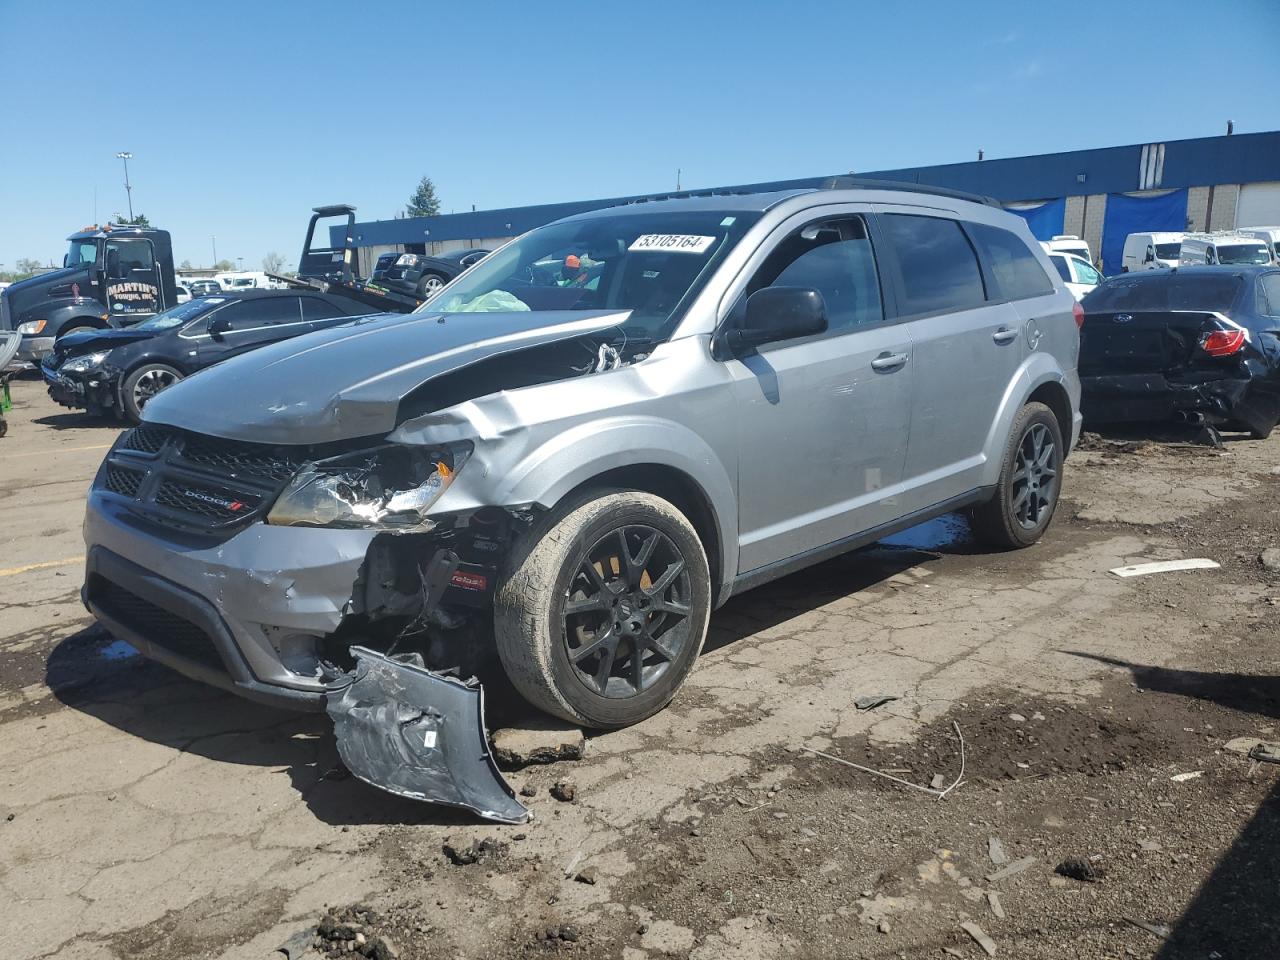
[{"x": 144, "y": 815}]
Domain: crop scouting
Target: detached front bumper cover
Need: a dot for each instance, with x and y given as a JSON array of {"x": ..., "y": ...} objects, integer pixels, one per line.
[{"x": 420, "y": 735}]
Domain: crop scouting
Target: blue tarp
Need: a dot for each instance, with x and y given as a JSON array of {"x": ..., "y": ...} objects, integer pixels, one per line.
[
  {"x": 1045, "y": 220},
  {"x": 1126, "y": 215}
]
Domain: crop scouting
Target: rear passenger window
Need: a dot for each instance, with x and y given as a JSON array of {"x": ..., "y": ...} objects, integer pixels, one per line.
[
  {"x": 1269, "y": 295},
  {"x": 1013, "y": 266},
  {"x": 835, "y": 258},
  {"x": 939, "y": 268}
]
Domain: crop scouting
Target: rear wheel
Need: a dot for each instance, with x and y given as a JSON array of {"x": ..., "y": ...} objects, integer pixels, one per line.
[
  {"x": 603, "y": 608},
  {"x": 1261, "y": 433},
  {"x": 142, "y": 384},
  {"x": 1030, "y": 481},
  {"x": 430, "y": 285}
]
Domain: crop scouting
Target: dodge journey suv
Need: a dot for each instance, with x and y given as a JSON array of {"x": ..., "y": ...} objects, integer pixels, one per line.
[{"x": 586, "y": 443}]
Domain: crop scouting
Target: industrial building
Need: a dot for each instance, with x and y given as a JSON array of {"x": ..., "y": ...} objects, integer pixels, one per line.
[{"x": 1102, "y": 195}]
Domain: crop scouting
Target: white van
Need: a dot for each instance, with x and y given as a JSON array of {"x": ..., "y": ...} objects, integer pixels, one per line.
[
  {"x": 1070, "y": 244},
  {"x": 1151, "y": 251},
  {"x": 1226, "y": 247},
  {"x": 1268, "y": 235}
]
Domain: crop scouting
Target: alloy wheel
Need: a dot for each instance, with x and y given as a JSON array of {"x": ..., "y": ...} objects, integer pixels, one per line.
[
  {"x": 1033, "y": 490},
  {"x": 151, "y": 383},
  {"x": 626, "y": 611}
]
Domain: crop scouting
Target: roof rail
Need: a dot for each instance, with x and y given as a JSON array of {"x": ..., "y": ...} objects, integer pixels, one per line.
[
  {"x": 686, "y": 194},
  {"x": 864, "y": 183}
]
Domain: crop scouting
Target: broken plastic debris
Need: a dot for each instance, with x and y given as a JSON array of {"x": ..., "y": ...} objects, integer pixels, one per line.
[
  {"x": 980, "y": 938},
  {"x": 873, "y": 701},
  {"x": 1184, "y": 777},
  {"x": 420, "y": 735},
  {"x": 1166, "y": 566}
]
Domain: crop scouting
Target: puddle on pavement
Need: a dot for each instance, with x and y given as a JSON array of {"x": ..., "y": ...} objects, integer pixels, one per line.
[
  {"x": 949, "y": 530},
  {"x": 117, "y": 650}
]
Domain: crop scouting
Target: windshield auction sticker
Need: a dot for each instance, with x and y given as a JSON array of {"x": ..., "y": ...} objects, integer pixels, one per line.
[{"x": 672, "y": 243}]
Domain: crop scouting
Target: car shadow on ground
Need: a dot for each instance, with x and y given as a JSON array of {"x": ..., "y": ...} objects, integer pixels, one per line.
[
  {"x": 78, "y": 421},
  {"x": 91, "y": 672},
  {"x": 1236, "y": 911}
]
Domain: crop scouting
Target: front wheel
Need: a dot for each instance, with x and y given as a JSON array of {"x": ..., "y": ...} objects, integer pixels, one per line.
[
  {"x": 144, "y": 383},
  {"x": 603, "y": 607},
  {"x": 1030, "y": 481}
]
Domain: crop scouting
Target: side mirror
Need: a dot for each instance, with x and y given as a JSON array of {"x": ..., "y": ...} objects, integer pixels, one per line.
[
  {"x": 778, "y": 313},
  {"x": 219, "y": 326}
]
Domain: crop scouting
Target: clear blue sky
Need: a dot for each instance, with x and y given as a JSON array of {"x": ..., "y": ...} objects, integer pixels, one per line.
[{"x": 242, "y": 116}]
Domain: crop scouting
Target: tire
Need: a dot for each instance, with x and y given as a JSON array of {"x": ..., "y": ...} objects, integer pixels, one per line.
[
  {"x": 556, "y": 656},
  {"x": 1257, "y": 434},
  {"x": 141, "y": 384},
  {"x": 430, "y": 285},
  {"x": 1018, "y": 514},
  {"x": 77, "y": 328}
]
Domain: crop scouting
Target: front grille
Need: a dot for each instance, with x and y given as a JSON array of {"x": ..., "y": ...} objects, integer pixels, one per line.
[
  {"x": 124, "y": 481},
  {"x": 145, "y": 438},
  {"x": 155, "y": 624},
  {"x": 194, "y": 482},
  {"x": 233, "y": 459},
  {"x": 218, "y": 505}
]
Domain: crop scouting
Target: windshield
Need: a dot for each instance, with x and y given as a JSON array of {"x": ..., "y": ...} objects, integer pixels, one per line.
[
  {"x": 81, "y": 252},
  {"x": 648, "y": 263},
  {"x": 1168, "y": 251},
  {"x": 177, "y": 316},
  {"x": 1243, "y": 253},
  {"x": 1164, "y": 290}
]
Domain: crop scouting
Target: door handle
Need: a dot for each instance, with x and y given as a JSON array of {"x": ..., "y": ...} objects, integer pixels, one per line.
[
  {"x": 1004, "y": 335},
  {"x": 889, "y": 361}
]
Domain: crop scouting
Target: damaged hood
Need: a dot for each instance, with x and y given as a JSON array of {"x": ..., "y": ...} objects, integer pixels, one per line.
[{"x": 348, "y": 381}]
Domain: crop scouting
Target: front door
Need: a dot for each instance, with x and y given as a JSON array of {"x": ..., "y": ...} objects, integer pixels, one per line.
[
  {"x": 822, "y": 420},
  {"x": 134, "y": 291},
  {"x": 249, "y": 323}
]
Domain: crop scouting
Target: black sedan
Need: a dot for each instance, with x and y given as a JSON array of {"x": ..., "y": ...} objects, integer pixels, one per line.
[
  {"x": 1197, "y": 344},
  {"x": 423, "y": 276},
  {"x": 120, "y": 370}
]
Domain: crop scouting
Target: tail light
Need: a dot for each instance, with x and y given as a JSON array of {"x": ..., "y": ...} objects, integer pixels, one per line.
[
  {"x": 1222, "y": 343},
  {"x": 1077, "y": 311}
]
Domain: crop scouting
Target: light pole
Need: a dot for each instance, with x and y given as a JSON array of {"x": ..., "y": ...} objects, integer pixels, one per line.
[
  {"x": 126, "y": 156},
  {"x": 214, "y": 241},
  {"x": 240, "y": 264}
]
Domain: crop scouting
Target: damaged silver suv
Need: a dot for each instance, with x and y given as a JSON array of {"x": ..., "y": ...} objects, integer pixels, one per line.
[{"x": 584, "y": 444}]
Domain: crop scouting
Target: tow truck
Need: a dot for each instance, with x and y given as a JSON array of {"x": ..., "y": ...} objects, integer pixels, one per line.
[{"x": 113, "y": 275}]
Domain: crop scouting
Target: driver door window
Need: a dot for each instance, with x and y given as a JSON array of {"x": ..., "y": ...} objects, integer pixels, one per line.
[{"x": 835, "y": 258}]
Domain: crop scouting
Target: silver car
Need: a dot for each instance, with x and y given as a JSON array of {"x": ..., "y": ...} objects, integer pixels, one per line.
[{"x": 578, "y": 449}]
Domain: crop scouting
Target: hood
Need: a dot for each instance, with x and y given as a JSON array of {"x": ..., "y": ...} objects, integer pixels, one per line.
[
  {"x": 23, "y": 294},
  {"x": 348, "y": 381},
  {"x": 92, "y": 341}
]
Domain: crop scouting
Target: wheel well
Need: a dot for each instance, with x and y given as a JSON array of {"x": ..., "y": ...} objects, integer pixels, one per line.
[
  {"x": 1054, "y": 396},
  {"x": 81, "y": 323},
  {"x": 680, "y": 490}
]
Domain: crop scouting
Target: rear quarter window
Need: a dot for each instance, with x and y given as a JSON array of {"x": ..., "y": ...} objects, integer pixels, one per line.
[
  {"x": 1015, "y": 269},
  {"x": 938, "y": 267}
]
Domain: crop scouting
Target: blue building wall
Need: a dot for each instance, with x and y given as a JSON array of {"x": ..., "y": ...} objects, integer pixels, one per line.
[{"x": 1242, "y": 158}]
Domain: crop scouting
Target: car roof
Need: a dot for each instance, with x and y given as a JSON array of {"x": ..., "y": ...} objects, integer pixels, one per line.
[{"x": 1199, "y": 269}]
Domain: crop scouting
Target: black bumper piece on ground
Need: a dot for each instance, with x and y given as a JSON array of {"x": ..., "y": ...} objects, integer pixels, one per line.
[{"x": 420, "y": 735}]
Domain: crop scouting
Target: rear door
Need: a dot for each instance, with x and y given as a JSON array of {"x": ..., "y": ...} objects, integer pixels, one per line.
[
  {"x": 967, "y": 346},
  {"x": 318, "y": 314},
  {"x": 823, "y": 420}
]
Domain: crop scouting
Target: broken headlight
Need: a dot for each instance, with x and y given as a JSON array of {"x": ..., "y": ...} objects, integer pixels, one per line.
[{"x": 388, "y": 488}]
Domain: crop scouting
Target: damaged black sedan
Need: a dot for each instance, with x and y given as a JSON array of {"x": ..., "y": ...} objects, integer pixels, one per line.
[{"x": 1198, "y": 345}]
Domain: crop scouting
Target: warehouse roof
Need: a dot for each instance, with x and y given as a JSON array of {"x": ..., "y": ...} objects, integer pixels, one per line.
[{"x": 1242, "y": 158}]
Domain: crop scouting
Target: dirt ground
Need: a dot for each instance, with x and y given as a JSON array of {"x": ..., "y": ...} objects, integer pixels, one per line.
[{"x": 142, "y": 815}]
